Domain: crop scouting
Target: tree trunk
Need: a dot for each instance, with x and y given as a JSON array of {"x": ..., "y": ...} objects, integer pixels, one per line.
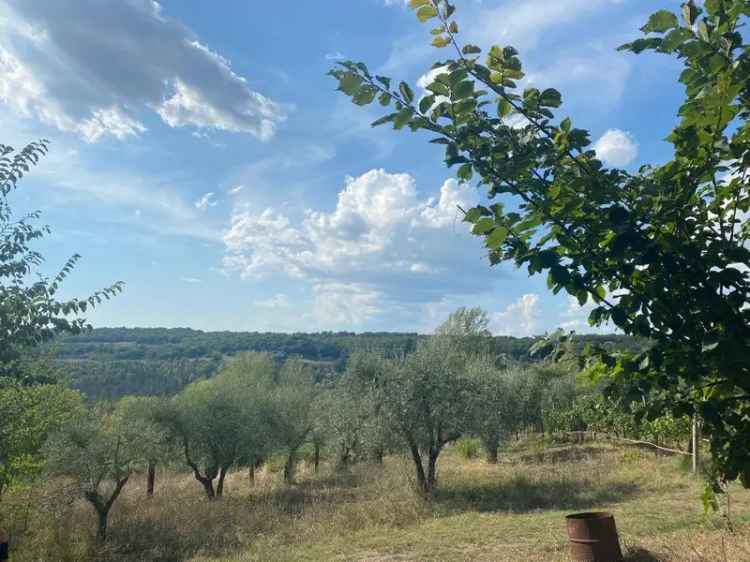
[
  {"x": 291, "y": 461},
  {"x": 491, "y": 452},
  {"x": 251, "y": 475},
  {"x": 101, "y": 533},
  {"x": 208, "y": 486},
  {"x": 432, "y": 469},
  {"x": 695, "y": 445},
  {"x": 421, "y": 478},
  {"x": 220, "y": 484},
  {"x": 151, "y": 479},
  {"x": 316, "y": 457}
]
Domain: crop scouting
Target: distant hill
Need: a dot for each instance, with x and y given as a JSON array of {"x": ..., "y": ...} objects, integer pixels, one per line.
[{"x": 108, "y": 363}]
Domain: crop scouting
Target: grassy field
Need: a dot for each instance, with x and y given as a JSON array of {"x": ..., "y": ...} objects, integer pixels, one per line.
[{"x": 513, "y": 511}]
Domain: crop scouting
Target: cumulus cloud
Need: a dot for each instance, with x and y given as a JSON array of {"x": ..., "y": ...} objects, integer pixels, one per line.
[
  {"x": 616, "y": 148},
  {"x": 119, "y": 59},
  {"x": 382, "y": 246},
  {"x": 518, "y": 318}
]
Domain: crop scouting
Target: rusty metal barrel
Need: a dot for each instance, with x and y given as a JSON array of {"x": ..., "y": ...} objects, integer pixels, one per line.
[{"x": 593, "y": 537}]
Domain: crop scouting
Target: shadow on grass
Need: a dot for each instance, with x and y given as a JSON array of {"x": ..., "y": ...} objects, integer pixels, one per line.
[
  {"x": 563, "y": 454},
  {"x": 521, "y": 494},
  {"x": 640, "y": 555}
]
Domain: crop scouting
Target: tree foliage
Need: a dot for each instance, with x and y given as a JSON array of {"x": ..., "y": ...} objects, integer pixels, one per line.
[
  {"x": 28, "y": 416},
  {"x": 661, "y": 251},
  {"x": 30, "y": 310},
  {"x": 99, "y": 452}
]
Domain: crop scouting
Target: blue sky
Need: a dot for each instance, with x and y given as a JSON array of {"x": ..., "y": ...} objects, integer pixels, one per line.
[{"x": 201, "y": 154}]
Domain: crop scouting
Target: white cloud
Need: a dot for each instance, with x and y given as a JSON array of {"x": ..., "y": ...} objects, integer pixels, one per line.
[
  {"x": 191, "y": 280},
  {"x": 524, "y": 24},
  {"x": 616, "y": 148},
  {"x": 518, "y": 318},
  {"x": 206, "y": 201},
  {"x": 576, "y": 318},
  {"x": 382, "y": 246},
  {"x": 118, "y": 60},
  {"x": 334, "y": 56},
  {"x": 279, "y": 300}
]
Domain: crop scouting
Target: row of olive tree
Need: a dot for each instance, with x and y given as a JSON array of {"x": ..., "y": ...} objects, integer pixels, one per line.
[
  {"x": 450, "y": 386},
  {"x": 250, "y": 410}
]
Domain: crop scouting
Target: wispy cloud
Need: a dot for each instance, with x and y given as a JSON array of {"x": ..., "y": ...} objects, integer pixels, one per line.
[
  {"x": 206, "y": 201},
  {"x": 192, "y": 280}
]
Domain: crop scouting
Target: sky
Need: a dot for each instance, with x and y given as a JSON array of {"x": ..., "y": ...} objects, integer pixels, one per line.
[{"x": 200, "y": 154}]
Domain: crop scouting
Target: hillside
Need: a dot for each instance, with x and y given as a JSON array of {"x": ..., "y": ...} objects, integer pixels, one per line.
[{"x": 108, "y": 363}]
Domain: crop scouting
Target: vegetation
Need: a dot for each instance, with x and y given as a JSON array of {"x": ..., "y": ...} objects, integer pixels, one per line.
[
  {"x": 506, "y": 512},
  {"x": 452, "y": 445},
  {"x": 661, "y": 252},
  {"x": 30, "y": 314}
]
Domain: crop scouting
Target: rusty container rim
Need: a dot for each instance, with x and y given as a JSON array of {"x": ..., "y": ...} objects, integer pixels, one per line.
[{"x": 589, "y": 515}]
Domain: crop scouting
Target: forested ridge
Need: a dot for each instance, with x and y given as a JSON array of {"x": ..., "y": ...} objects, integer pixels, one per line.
[{"x": 108, "y": 363}]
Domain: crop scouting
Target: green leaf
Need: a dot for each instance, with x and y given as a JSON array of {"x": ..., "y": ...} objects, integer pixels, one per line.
[
  {"x": 350, "y": 83},
  {"x": 690, "y": 12},
  {"x": 703, "y": 31},
  {"x": 385, "y": 81},
  {"x": 565, "y": 124},
  {"x": 465, "y": 172},
  {"x": 470, "y": 50},
  {"x": 426, "y": 103},
  {"x": 660, "y": 22},
  {"x": 382, "y": 120},
  {"x": 416, "y": 4},
  {"x": 439, "y": 88},
  {"x": 496, "y": 238},
  {"x": 384, "y": 98},
  {"x": 462, "y": 90},
  {"x": 453, "y": 27},
  {"x": 402, "y": 117},
  {"x": 406, "y": 92},
  {"x": 473, "y": 215},
  {"x": 426, "y": 12},
  {"x": 504, "y": 108},
  {"x": 483, "y": 226},
  {"x": 441, "y": 41},
  {"x": 550, "y": 98}
]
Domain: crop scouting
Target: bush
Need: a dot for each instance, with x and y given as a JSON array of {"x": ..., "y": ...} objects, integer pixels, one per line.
[{"x": 468, "y": 447}]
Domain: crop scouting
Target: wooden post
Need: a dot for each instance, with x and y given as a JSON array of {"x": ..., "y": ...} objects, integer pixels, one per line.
[
  {"x": 695, "y": 444},
  {"x": 151, "y": 479}
]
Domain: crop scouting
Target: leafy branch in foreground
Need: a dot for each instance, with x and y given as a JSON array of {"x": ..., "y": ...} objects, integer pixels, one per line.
[
  {"x": 30, "y": 312},
  {"x": 661, "y": 252}
]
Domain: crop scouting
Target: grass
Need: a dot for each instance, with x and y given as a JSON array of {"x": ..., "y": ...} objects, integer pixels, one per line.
[{"x": 512, "y": 511}]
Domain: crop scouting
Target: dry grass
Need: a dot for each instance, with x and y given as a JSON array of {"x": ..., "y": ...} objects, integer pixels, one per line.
[{"x": 510, "y": 512}]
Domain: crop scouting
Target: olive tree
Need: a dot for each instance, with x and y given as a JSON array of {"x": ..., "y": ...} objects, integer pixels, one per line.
[
  {"x": 293, "y": 399},
  {"x": 662, "y": 251},
  {"x": 99, "y": 453},
  {"x": 219, "y": 422},
  {"x": 495, "y": 406}
]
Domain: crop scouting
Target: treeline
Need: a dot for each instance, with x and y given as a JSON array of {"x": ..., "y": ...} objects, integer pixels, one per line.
[{"x": 109, "y": 363}]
